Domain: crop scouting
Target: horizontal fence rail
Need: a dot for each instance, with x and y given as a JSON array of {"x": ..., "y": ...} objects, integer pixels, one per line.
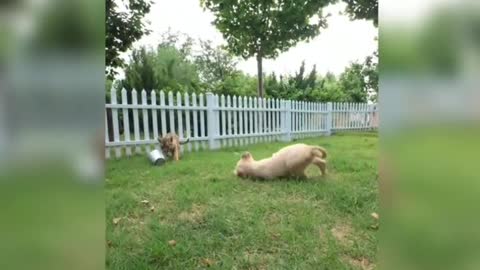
[{"x": 211, "y": 121}]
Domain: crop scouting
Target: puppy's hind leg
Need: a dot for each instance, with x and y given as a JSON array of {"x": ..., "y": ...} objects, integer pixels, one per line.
[
  {"x": 298, "y": 175},
  {"x": 322, "y": 164},
  {"x": 176, "y": 154},
  {"x": 301, "y": 176}
]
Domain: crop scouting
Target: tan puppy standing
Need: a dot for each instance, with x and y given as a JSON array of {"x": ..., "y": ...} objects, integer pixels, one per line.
[
  {"x": 287, "y": 162},
  {"x": 170, "y": 144}
]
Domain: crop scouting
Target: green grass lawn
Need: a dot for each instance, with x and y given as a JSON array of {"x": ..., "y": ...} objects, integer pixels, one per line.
[{"x": 218, "y": 221}]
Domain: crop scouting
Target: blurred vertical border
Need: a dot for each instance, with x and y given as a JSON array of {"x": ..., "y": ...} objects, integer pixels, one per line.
[
  {"x": 52, "y": 77},
  {"x": 429, "y": 96}
]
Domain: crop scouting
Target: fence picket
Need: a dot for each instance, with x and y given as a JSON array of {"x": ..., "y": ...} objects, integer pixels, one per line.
[
  {"x": 153, "y": 97},
  {"x": 180, "y": 119},
  {"x": 350, "y": 122},
  {"x": 306, "y": 115},
  {"x": 136, "y": 129},
  {"x": 265, "y": 119},
  {"x": 338, "y": 115},
  {"x": 347, "y": 109},
  {"x": 300, "y": 119},
  {"x": 146, "y": 129},
  {"x": 365, "y": 117},
  {"x": 171, "y": 112},
  {"x": 260, "y": 119},
  {"x": 107, "y": 150},
  {"x": 195, "y": 121},
  {"x": 353, "y": 115},
  {"x": 271, "y": 123},
  {"x": 187, "y": 121},
  {"x": 320, "y": 117},
  {"x": 294, "y": 118},
  {"x": 340, "y": 106},
  {"x": 279, "y": 116},
  {"x": 126, "y": 122},
  {"x": 256, "y": 120},
  {"x": 275, "y": 118},
  {"x": 240, "y": 119},
  {"x": 229, "y": 119},
  {"x": 245, "y": 120},
  {"x": 251, "y": 119},
  {"x": 266, "y": 128},
  {"x": 313, "y": 115},
  {"x": 361, "y": 116},
  {"x": 235, "y": 121},
  {"x": 116, "y": 132},
  {"x": 163, "y": 116},
  {"x": 304, "y": 119},
  {"x": 202, "y": 121},
  {"x": 297, "y": 120},
  {"x": 309, "y": 119},
  {"x": 272, "y": 118},
  {"x": 350, "y": 116},
  {"x": 224, "y": 120}
]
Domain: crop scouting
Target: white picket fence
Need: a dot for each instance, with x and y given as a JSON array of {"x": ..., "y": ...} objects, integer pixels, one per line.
[{"x": 212, "y": 121}]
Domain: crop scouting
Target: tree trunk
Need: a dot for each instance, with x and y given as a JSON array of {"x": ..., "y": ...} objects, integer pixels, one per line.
[{"x": 260, "y": 75}]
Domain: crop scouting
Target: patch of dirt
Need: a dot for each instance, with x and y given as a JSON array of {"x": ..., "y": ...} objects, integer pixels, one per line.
[
  {"x": 194, "y": 215},
  {"x": 273, "y": 218},
  {"x": 295, "y": 199},
  {"x": 359, "y": 263},
  {"x": 207, "y": 262},
  {"x": 258, "y": 261},
  {"x": 342, "y": 233}
]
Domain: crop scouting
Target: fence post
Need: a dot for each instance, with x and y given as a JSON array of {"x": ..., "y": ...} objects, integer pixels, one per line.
[
  {"x": 329, "y": 118},
  {"x": 212, "y": 121},
  {"x": 286, "y": 120}
]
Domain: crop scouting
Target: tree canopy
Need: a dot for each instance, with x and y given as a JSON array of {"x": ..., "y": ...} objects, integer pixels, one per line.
[
  {"x": 265, "y": 28},
  {"x": 123, "y": 28},
  {"x": 363, "y": 9},
  {"x": 180, "y": 66}
]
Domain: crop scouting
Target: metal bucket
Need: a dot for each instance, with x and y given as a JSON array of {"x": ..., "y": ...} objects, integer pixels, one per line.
[{"x": 156, "y": 157}]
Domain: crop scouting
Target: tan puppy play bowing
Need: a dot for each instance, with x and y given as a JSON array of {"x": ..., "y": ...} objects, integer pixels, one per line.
[{"x": 290, "y": 161}]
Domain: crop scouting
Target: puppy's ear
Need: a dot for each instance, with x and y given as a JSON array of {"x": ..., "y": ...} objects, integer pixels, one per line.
[{"x": 246, "y": 155}]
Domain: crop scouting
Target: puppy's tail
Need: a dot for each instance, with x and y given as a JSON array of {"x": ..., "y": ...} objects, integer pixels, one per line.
[
  {"x": 319, "y": 152},
  {"x": 186, "y": 141}
]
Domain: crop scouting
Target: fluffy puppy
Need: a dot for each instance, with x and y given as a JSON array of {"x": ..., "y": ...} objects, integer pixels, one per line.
[
  {"x": 170, "y": 144},
  {"x": 290, "y": 161}
]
